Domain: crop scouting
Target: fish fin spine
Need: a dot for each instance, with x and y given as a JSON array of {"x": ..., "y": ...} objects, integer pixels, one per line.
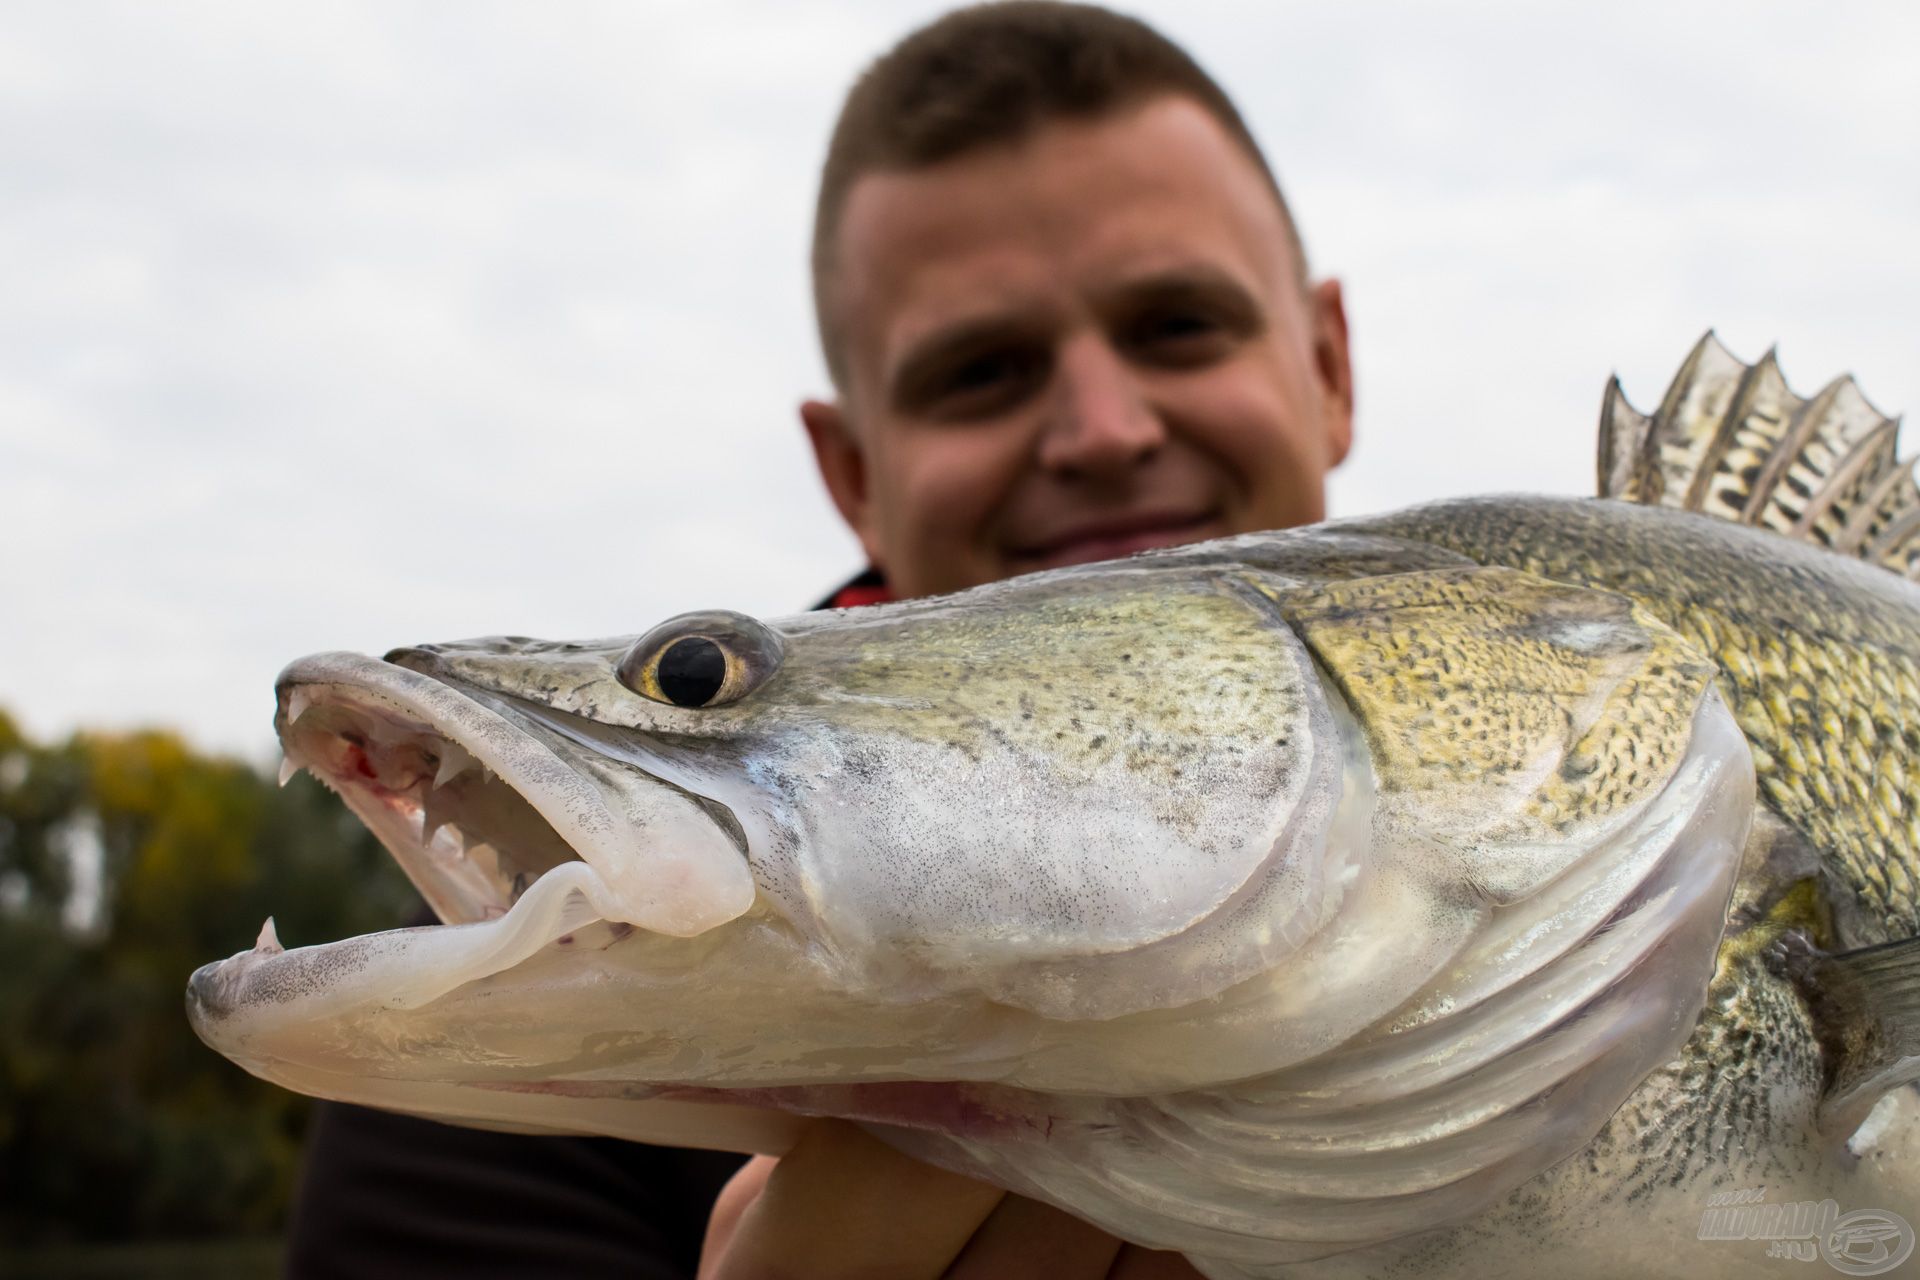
[{"x": 1733, "y": 440}]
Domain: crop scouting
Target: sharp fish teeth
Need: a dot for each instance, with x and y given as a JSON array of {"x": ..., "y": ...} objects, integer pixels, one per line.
[
  {"x": 287, "y": 769},
  {"x": 297, "y": 703},
  {"x": 454, "y": 761},
  {"x": 430, "y": 821},
  {"x": 269, "y": 940}
]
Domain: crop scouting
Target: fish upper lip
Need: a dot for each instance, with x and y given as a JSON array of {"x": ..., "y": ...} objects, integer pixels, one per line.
[{"x": 1113, "y": 528}]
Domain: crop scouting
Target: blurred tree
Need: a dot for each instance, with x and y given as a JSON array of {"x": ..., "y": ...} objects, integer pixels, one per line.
[{"x": 126, "y": 861}]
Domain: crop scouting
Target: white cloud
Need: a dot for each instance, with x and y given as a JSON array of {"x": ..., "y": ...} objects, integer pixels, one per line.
[{"x": 358, "y": 324}]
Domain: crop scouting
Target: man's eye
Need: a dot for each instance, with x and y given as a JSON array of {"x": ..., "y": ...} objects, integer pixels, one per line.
[
  {"x": 1179, "y": 337},
  {"x": 984, "y": 383},
  {"x": 979, "y": 373},
  {"x": 1181, "y": 324}
]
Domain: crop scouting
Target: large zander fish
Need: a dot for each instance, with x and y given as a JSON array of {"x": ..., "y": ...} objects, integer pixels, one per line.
[{"x": 1481, "y": 889}]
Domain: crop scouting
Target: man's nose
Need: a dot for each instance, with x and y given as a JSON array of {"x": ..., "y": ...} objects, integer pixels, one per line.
[{"x": 1099, "y": 420}]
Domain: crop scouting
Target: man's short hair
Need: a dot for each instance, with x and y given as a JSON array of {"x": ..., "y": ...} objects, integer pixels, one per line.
[{"x": 994, "y": 74}]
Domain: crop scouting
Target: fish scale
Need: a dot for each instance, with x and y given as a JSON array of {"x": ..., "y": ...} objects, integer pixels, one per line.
[
  {"x": 1803, "y": 639},
  {"x": 1430, "y": 692}
]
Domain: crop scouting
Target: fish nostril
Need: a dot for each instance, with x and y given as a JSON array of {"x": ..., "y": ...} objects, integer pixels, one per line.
[{"x": 420, "y": 657}]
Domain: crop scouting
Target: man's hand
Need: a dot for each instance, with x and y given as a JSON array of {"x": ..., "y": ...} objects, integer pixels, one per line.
[{"x": 843, "y": 1204}]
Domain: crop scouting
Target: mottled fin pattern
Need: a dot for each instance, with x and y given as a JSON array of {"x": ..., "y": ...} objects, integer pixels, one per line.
[
  {"x": 1868, "y": 1005},
  {"x": 1732, "y": 440}
]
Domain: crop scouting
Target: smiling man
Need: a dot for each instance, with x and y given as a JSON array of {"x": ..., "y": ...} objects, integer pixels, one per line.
[
  {"x": 1064, "y": 305},
  {"x": 1068, "y": 318}
]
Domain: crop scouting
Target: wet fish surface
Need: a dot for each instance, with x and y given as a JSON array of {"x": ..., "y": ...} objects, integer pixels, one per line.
[{"x": 1504, "y": 885}]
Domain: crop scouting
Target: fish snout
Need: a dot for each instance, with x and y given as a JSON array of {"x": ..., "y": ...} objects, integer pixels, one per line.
[{"x": 207, "y": 996}]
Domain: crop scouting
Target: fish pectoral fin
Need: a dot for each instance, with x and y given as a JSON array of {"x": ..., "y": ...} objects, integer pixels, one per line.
[{"x": 1867, "y": 1004}]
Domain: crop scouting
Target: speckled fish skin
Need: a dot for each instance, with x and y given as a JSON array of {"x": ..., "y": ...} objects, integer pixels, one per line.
[
  {"x": 1819, "y": 656},
  {"x": 1442, "y": 894}
]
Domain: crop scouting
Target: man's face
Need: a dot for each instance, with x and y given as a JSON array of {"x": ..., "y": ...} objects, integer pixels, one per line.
[{"x": 1084, "y": 345}]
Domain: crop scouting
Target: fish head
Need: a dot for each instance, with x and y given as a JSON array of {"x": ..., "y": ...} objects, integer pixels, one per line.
[
  {"x": 967, "y": 837},
  {"x": 985, "y": 791}
]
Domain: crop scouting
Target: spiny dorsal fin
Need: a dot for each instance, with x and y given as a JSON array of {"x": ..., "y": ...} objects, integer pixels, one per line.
[
  {"x": 1867, "y": 1006},
  {"x": 1624, "y": 467},
  {"x": 1733, "y": 440}
]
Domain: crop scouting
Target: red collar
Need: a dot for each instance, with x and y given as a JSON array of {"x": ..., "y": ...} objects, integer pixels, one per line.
[{"x": 868, "y": 588}]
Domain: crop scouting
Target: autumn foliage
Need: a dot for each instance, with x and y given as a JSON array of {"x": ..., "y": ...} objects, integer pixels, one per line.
[{"x": 126, "y": 861}]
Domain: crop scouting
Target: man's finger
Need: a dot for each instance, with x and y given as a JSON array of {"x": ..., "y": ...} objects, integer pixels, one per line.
[
  {"x": 742, "y": 1189},
  {"x": 1026, "y": 1240},
  {"x": 842, "y": 1204}
]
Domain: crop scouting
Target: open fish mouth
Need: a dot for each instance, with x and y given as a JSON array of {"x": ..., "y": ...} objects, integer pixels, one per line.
[
  {"x": 477, "y": 804},
  {"x": 469, "y": 841},
  {"x": 509, "y": 843}
]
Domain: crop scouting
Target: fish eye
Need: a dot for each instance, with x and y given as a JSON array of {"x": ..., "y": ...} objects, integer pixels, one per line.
[
  {"x": 691, "y": 672},
  {"x": 701, "y": 660}
]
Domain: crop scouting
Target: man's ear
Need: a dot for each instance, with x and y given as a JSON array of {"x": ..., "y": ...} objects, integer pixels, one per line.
[
  {"x": 1333, "y": 366},
  {"x": 843, "y": 467}
]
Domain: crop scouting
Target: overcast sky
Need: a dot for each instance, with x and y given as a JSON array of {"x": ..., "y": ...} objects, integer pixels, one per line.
[{"x": 346, "y": 325}]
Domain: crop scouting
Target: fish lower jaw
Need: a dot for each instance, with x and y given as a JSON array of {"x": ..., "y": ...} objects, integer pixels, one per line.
[{"x": 254, "y": 1006}]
